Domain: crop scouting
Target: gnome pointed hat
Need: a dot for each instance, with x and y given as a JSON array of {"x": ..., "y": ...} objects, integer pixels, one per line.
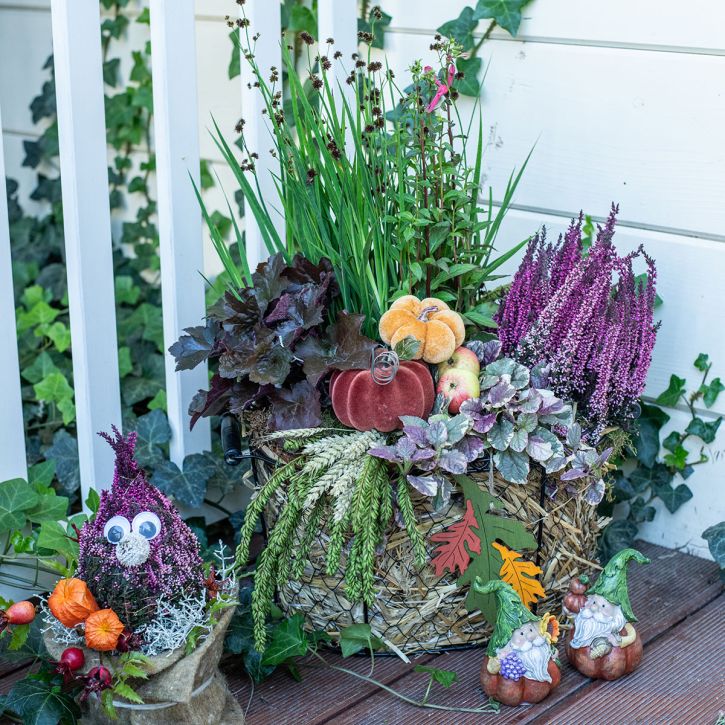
[
  {"x": 511, "y": 613},
  {"x": 612, "y": 582}
]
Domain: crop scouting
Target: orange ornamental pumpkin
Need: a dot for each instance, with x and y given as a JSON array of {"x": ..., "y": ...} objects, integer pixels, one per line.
[
  {"x": 439, "y": 329},
  {"x": 619, "y": 661},
  {"x": 514, "y": 692},
  {"x": 361, "y": 403},
  {"x": 103, "y": 628},
  {"x": 71, "y": 602}
]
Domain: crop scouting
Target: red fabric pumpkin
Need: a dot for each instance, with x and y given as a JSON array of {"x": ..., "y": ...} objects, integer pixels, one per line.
[
  {"x": 514, "y": 692},
  {"x": 576, "y": 597},
  {"x": 361, "y": 403},
  {"x": 619, "y": 662}
]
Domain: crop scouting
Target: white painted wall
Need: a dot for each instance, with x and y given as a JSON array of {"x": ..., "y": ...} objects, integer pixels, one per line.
[{"x": 624, "y": 101}]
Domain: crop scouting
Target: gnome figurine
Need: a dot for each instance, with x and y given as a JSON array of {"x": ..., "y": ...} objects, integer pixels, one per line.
[
  {"x": 519, "y": 665},
  {"x": 602, "y": 642}
]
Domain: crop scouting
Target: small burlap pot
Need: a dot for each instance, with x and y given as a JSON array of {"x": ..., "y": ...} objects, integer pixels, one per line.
[
  {"x": 180, "y": 689},
  {"x": 417, "y": 611}
]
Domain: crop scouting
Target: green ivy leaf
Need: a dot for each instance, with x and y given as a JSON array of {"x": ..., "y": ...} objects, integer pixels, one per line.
[
  {"x": 617, "y": 535},
  {"x": 357, "y": 637},
  {"x": 64, "y": 452},
  {"x": 93, "y": 501},
  {"x": 158, "y": 402},
  {"x": 53, "y": 388},
  {"x": 50, "y": 507},
  {"x": 39, "y": 702},
  {"x": 705, "y": 431},
  {"x": 144, "y": 17},
  {"x": 677, "y": 458},
  {"x": 41, "y": 473},
  {"x": 715, "y": 537},
  {"x": 507, "y": 13},
  {"x": 153, "y": 433},
  {"x": 469, "y": 84},
  {"x": 54, "y": 537},
  {"x": 675, "y": 390},
  {"x": 288, "y": 640},
  {"x": 16, "y": 498},
  {"x": 110, "y": 71},
  {"x": 19, "y": 636},
  {"x": 672, "y": 441},
  {"x": 59, "y": 333},
  {"x": 42, "y": 366},
  {"x": 234, "y": 68},
  {"x": 673, "y": 498},
  {"x": 127, "y": 292},
  {"x": 125, "y": 366},
  {"x": 702, "y": 362},
  {"x": 461, "y": 28},
  {"x": 301, "y": 18},
  {"x": 647, "y": 440},
  {"x": 710, "y": 392},
  {"x": 40, "y": 313},
  {"x": 442, "y": 677},
  {"x": 188, "y": 485}
]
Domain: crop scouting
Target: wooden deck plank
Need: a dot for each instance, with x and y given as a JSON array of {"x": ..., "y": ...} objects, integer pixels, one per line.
[
  {"x": 681, "y": 681},
  {"x": 672, "y": 587}
]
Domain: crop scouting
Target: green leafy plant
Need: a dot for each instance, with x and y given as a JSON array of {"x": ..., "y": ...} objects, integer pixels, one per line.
[{"x": 644, "y": 475}]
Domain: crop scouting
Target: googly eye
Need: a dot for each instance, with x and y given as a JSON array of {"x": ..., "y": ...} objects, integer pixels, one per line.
[
  {"x": 116, "y": 528},
  {"x": 147, "y": 524}
]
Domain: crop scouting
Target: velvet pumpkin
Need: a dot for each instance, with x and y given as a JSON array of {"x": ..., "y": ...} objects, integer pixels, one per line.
[
  {"x": 439, "y": 329},
  {"x": 576, "y": 597},
  {"x": 361, "y": 403},
  {"x": 618, "y": 662},
  {"x": 72, "y": 602},
  {"x": 514, "y": 692}
]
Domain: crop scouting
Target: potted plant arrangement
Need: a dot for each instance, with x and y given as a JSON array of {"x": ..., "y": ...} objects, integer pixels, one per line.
[
  {"x": 420, "y": 430},
  {"x": 137, "y": 631}
]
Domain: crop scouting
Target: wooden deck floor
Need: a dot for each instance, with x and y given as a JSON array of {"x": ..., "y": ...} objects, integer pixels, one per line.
[{"x": 681, "y": 606}]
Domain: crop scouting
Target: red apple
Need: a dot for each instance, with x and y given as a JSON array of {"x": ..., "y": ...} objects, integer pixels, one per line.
[
  {"x": 458, "y": 385},
  {"x": 461, "y": 359}
]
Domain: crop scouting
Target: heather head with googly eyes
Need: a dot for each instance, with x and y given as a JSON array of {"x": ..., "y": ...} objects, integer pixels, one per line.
[{"x": 137, "y": 548}]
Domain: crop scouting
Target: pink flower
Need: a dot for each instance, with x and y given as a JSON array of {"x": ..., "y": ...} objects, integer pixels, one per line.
[{"x": 442, "y": 88}]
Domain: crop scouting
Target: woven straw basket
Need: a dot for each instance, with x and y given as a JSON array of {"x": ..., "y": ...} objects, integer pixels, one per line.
[{"x": 417, "y": 611}]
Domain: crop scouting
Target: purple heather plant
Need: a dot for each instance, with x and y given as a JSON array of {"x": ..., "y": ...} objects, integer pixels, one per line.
[
  {"x": 171, "y": 567},
  {"x": 588, "y": 318}
]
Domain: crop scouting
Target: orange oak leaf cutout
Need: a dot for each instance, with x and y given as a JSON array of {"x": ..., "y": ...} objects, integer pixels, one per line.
[
  {"x": 453, "y": 552},
  {"x": 520, "y": 574}
]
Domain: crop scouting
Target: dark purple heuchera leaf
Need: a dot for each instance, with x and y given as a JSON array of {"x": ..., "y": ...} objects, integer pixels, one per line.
[
  {"x": 196, "y": 346},
  {"x": 296, "y": 408},
  {"x": 239, "y": 316},
  {"x": 234, "y": 362},
  {"x": 271, "y": 362},
  {"x": 268, "y": 282},
  {"x": 222, "y": 394},
  {"x": 343, "y": 348},
  {"x": 302, "y": 271}
]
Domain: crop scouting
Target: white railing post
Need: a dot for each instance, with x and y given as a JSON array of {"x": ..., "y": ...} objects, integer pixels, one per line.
[
  {"x": 12, "y": 430},
  {"x": 265, "y": 19},
  {"x": 337, "y": 19},
  {"x": 87, "y": 228},
  {"x": 173, "y": 62}
]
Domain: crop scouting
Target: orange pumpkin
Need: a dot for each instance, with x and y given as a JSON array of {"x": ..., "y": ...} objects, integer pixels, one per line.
[
  {"x": 514, "y": 692},
  {"x": 71, "y": 602},
  {"x": 618, "y": 662},
  {"x": 359, "y": 402},
  {"x": 439, "y": 329},
  {"x": 103, "y": 628}
]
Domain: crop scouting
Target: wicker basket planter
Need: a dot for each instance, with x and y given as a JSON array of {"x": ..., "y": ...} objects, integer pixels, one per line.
[
  {"x": 417, "y": 611},
  {"x": 187, "y": 689}
]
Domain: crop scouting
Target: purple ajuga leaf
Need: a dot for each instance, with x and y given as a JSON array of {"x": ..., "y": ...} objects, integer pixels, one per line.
[
  {"x": 595, "y": 492},
  {"x": 538, "y": 448},
  {"x": 417, "y": 434},
  {"x": 540, "y": 375},
  {"x": 387, "y": 453},
  {"x": 603, "y": 456},
  {"x": 427, "y": 485},
  {"x": 501, "y": 393},
  {"x": 423, "y": 454},
  {"x": 486, "y": 352},
  {"x": 405, "y": 448},
  {"x": 572, "y": 474},
  {"x": 454, "y": 462},
  {"x": 437, "y": 433},
  {"x": 471, "y": 447}
]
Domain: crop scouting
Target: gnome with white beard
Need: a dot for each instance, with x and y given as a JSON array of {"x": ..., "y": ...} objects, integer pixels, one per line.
[
  {"x": 603, "y": 643},
  {"x": 520, "y": 665}
]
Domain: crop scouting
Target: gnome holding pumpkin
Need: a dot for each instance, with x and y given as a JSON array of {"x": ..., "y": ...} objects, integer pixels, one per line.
[
  {"x": 520, "y": 665},
  {"x": 603, "y": 643}
]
